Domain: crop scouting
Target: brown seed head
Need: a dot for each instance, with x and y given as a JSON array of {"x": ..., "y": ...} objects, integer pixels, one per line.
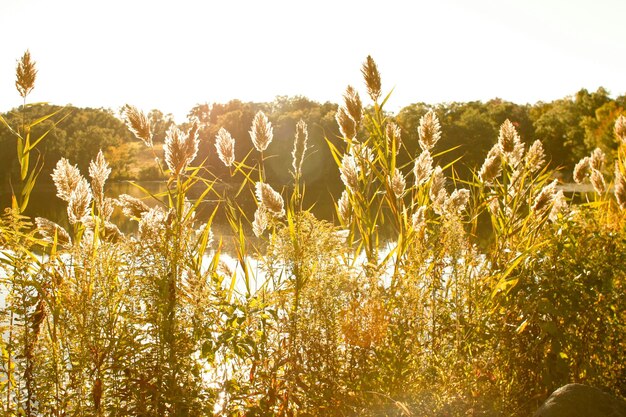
[
  {"x": 418, "y": 219},
  {"x": 347, "y": 126},
  {"x": 397, "y": 183},
  {"x": 559, "y": 205},
  {"x": 131, "y": 206},
  {"x": 394, "y": 136},
  {"x": 349, "y": 172},
  {"x": 372, "y": 78},
  {"x": 597, "y": 159},
  {"x": 457, "y": 201},
  {"x": 80, "y": 200},
  {"x": 225, "y": 146},
  {"x": 429, "y": 131},
  {"x": 597, "y": 180},
  {"x": 138, "y": 124},
  {"x": 353, "y": 106},
  {"x": 343, "y": 207},
  {"x": 508, "y": 137},
  {"x": 260, "y": 223},
  {"x": 26, "y": 73},
  {"x": 544, "y": 198},
  {"x": 492, "y": 167},
  {"x": 620, "y": 187},
  {"x": 99, "y": 172},
  {"x": 180, "y": 149},
  {"x": 437, "y": 184},
  {"x": 535, "y": 157},
  {"x": 262, "y": 132}
]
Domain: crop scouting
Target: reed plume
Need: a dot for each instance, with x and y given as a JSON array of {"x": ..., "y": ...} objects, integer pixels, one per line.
[
  {"x": 181, "y": 149},
  {"x": 347, "y": 126},
  {"x": 299, "y": 147},
  {"x": 343, "y": 207},
  {"x": 429, "y": 131},
  {"x": 260, "y": 223},
  {"x": 620, "y": 187},
  {"x": 620, "y": 128},
  {"x": 99, "y": 172},
  {"x": 353, "y": 106},
  {"x": 65, "y": 177},
  {"x": 79, "y": 202},
  {"x": 559, "y": 205},
  {"x": 597, "y": 180},
  {"x": 492, "y": 167},
  {"x": 132, "y": 207},
  {"x": 581, "y": 169},
  {"x": 418, "y": 219},
  {"x": 457, "y": 201},
  {"x": 262, "y": 132},
  {"x": 597, "y": 159},
  {"x": 372, "y": 78},
  {"x": 51, "y": 231},
  {"x": 535, "y": 157},
  {"x": 393, "y": 135},
  {"x": 349, "y": 172},
  {"x": 508, "y": 138},
  {"x": 544, "y": 198},
  {"x": 423, "y": 168},
  {"x": 397, "y": 183},
  {"x": 138, "y": 124},
  {"x": 26, "y": 73},
  {"x": 225, "y": 146},
  {"x": 270, "y": 199}
]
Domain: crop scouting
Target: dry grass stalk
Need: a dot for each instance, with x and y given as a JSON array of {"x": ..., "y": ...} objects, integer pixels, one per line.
[
  {"x": 50, "y": 231},
  {"x": 372, "y": 78},
  {"x": 394, "y": 135},
  {"x": 26, "y": 73},
  {"x": 138, "y": 124},
  {"x": 270, "y": 199},
  {"x": 299, "y": 146},
  {"x": 429, "y": 131},
  {"x": 262, "y": 132},
  {"x": 225, "y": 146},
  {"x": 66, "y": 177}
]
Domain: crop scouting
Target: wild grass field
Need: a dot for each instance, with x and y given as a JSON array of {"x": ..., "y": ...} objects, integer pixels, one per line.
[{"x": 429, "y": 296}]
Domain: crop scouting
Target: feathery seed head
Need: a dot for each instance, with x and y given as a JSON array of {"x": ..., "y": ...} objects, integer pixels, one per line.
[
  {"x": 620, "y": 187},
  {"x": 262, "y": 132},
  {"x": 559, "y": 205},
  {"x": 66, "y": 177},
  {"x": 457, "y": 201},
  {"x": 423, "y": 167},
  {"x": 26, "y": 73},
  {"x": 180, "y": 149},
  {"x": 508, "y": 137},
  {"x": 581, "y": 169},
  {"x": 620, "y": 128},
  {"x": 397, "y": 183},
  {"x": 99, "y": 172},
  {"x": 517, "y": 156},
  {"x": 347, "y": 126},
  {"x": 343, "y": 207},
  {"x": 597, "y": 180},
  {"x": 535, "y": 157},
  {"x": 394, "y": 135},
  {"x": 299, "y": 146},
  {"x": 437, "y": 184},
  {"x": 49, "y": 230},
  {"x": 152, "y": 223},
  {"x": 349, "y": 172},
  {"x": 225, "y": 146},
  {"x": 418, "y": 219},
  {"x": 353, "y": 106},
  {"x": 260, "y": 223},
  {"x": 131, "y": 206},
  {"x": 79, "y": 204},
  {"x": 544, "y": 198},
  {"x": 270, "y": 199},
  {"x": 372, "y": 78},
  {"x": 492, "y": 167},
  {"x": 138, "y": 124},
  {"x": 597, "y": 159},
  {"x": 429, "y": 131}
]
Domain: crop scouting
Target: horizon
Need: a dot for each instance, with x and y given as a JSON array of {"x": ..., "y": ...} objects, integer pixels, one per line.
[{"x": 157, "y": 56}]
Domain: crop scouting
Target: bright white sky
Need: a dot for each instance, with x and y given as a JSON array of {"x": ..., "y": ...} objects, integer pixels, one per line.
[{"x": 174, "y": 54}]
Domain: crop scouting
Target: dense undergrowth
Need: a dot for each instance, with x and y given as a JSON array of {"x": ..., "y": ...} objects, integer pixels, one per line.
[{"x": 429, "y": 296}]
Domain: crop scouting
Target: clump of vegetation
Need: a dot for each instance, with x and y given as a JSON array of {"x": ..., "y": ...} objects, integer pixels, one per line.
[{"x": 429, "y": 295}]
